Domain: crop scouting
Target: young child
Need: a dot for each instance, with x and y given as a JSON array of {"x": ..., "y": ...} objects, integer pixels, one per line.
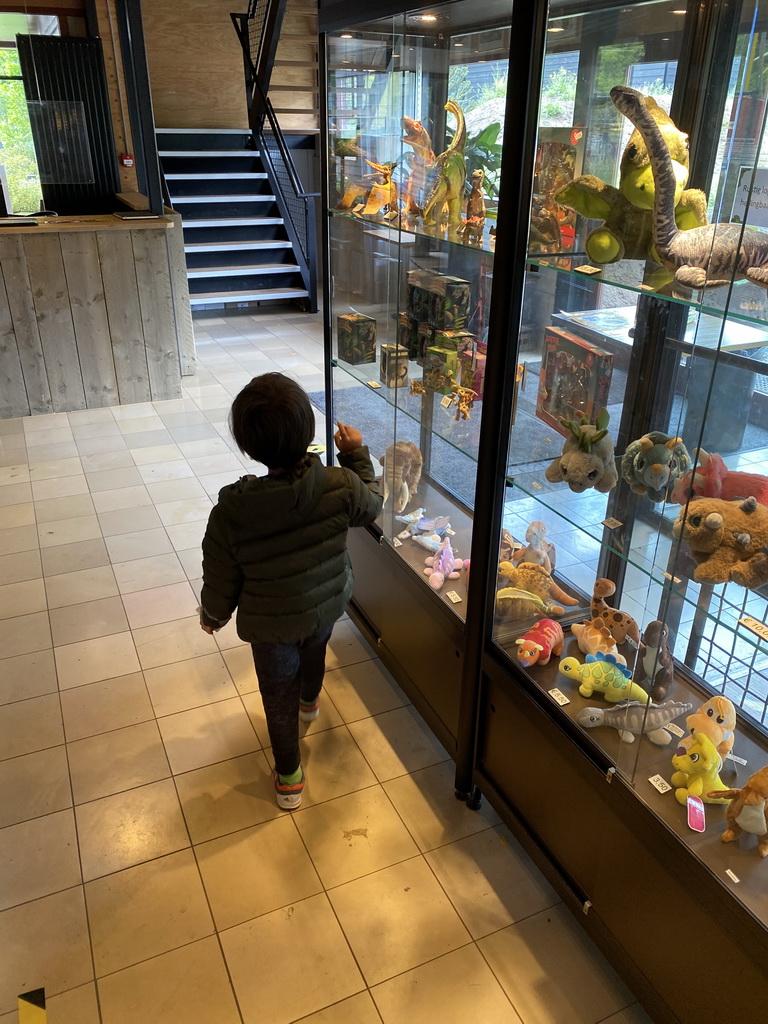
[{"x": 276, "y": 549}]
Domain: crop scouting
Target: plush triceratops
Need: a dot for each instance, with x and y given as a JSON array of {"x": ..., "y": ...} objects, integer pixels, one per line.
[
  {"x": 653, "y": 463},
  {"x": 587, "y": 459}
]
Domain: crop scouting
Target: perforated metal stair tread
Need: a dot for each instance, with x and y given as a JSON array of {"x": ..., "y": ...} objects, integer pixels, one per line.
[
  {"x": 203, "y": 131},
  {"x": 263, "y": 295},
  {"x": 275, "y": 243},
  {"x": 259, "y": 268},
  {"x": 240, "y": 198},
  {"x": 229, "y": 222},
  {"x": 251, "y": 153},
  {"x": 225, "y": 176}
]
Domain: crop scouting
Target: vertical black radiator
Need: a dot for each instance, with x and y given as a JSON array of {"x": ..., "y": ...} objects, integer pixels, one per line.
[{"x": 66, "y": 89}]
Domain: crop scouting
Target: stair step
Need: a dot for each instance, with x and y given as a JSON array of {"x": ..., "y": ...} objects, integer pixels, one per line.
[
  {"x": 265, "y": 295},
  {"x": 202, "y": 131},
  {"x": 209, "y": 152},
  {"x": 295, "y": 110},
  {"x": 224, "y": 199},
  {"x": 277, "y": 243},
  {"x": 227, "y": 176},
  {"x": 259, "y": 268},
  {"x": 229, "y": 222}
]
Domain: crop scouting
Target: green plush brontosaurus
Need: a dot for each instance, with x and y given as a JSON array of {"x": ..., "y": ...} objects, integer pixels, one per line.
[{"x": 627, "y": 211}]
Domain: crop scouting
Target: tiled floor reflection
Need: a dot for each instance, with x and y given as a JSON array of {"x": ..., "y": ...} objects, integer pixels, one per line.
[{"x": 146, "y": 874}]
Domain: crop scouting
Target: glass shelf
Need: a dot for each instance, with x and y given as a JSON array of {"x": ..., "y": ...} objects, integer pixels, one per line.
[
  {"x": 409, "y": 236},
  {"x": 743, "y": 302}
]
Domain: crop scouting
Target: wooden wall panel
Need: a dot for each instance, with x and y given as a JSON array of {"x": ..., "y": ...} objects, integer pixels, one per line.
[
  {"x": 180, "y": 286},
  {"x": 48, "y": 284},
  {"x": 158, "y": 321},
  {"x": 22, "y": 309},
  {"x": 121, "y": 293},
  {"x": 195, "y": 64},
  {"x": 13, "y": 393},
  {"x": 89, "y": 314},
  {"x": 113, "y": 65}
]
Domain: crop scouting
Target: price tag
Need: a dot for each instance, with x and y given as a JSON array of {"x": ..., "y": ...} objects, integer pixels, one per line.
[
  {"x": 632, "y": 643},
  {"x": 734, "y": 757},
  {"x": 697, "y": 818},
  {"x": 453, "y": 597},
  {"x": 536, "y": 485},
  {"x": 587, "y": 269},
  {"x": 450, "y": 532},
  {"x": 446, "y": 402},
  {"x": 669, "y": 576},
  {"x": 559, "y": 697},
  {"x": 396, "y": 542},
  {"x": 732, "y": 876},
  {"x": 755, "y": 626},
  {"x": 373, "y": 384},
  {"x": 612, "y": 524},
  {"x": 316, "y": 449},
  {"x": 660, "y": 783},
  {"x": 674, "y": 729}
]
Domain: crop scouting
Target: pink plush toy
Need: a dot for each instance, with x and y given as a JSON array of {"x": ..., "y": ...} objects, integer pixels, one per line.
[
  {"x": 712, "y": 479},
  {"x": 443, "y": 566}
]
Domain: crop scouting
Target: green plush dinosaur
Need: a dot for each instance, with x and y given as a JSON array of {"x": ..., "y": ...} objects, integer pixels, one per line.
[
  {"x": 603, "y": 674},
  {"x": 448, "y": 177},
  {"x": 627, "y": 211}
]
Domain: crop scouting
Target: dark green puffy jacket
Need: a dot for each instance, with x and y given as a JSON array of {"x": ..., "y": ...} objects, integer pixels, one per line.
[{"x": 276, "y": 548}]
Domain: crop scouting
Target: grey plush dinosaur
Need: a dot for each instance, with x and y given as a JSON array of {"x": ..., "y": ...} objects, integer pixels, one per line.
[{"x": 705, "y": 257}]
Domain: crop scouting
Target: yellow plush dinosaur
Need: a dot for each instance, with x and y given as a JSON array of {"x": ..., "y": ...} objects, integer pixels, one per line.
[{"x": 697, "y": 770}]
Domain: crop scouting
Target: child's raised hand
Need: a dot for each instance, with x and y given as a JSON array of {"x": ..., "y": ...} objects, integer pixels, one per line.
[{"x": 347, "y": 438}]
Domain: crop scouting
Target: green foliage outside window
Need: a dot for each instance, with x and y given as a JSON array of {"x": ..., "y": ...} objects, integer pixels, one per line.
[{"x": 17, "y": 153}]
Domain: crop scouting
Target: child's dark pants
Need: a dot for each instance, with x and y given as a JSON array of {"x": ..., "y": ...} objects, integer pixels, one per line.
[{"x": 288, "y": 673}]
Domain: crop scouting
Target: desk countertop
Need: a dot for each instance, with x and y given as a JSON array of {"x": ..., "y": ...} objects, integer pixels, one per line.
[{"x": 95, "y": 222}]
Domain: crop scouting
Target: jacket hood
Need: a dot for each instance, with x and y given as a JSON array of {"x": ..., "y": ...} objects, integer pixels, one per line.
[{"x": 275, "y": 501}]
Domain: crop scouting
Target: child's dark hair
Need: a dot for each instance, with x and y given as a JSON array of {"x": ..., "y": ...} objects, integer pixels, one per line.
[{"x": 272, "y": 421}]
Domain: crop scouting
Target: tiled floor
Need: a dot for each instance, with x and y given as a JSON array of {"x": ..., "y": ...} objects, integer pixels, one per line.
[{"x": 146, "y": 874}]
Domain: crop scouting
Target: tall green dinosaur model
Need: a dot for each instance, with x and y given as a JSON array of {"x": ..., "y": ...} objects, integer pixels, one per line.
[{"x": 448, "y": 177}]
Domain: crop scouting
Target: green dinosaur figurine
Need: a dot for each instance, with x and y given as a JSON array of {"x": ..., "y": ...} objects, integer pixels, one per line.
[
  {"x": 448, "y": 177},
  {"x": 627, "y": 211},
  {"x": 602, "y": 673}
]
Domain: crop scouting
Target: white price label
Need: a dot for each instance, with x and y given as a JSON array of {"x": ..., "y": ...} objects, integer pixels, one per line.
[
  {"x": 373, "y": 384},
  {"x": 446, "y": 402},
  {"x": 612, "y": 524},
  {"x": 733, "y": 877},
  {"x": 559, "y": 697},
  {"x": 450, "y": 532},
  {"x": 674, "y": 729},
  {"x": 674, "y": 579},
  {"x": 755, "y": 626},
  {"x": 632, "y": 643},
  {"x": 536, "y": 485},
  {"x": 587, "y": 269},
  {"x": 453, "y": 597},
  {"x": 396, "y": 542},
  {"x": 660, "y": 783},
  {"x": 734, "y": 757}
]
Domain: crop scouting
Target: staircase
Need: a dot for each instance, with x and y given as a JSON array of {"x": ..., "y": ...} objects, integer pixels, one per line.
[
  {"x": 237, "y": 247},
  {"x": 293, "y": 85}
]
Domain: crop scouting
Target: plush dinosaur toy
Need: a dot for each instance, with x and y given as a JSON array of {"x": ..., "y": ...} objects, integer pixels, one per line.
[
  {"x": 696, "y": 772},
  {"x": 447, "y": 178},
  {"x": 401, "y": 467},
  {"x": 727, "y": 539},
  {"x": 587, "y": 459},
  {"x": 748, "y": 810},
  {"x": 626, "y": 211},
  {"x": 712, "y": 479},
  {"x": 704, "y": 257},
  {"x": 653, "y": 463}
]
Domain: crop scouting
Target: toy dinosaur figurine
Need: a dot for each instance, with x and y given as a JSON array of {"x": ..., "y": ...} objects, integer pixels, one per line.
[
  {"x": 653, "y": 463},
  {"x": 603, "y": 673},
  {"x": 472, "y": 231},
  {"x": 587, "y": 459},
  {"x": 401, "y": 473},
  {"x": 383, "y": 194},
  {"x": 447, "y": 178},
  {"x": 748, "y": 810},
  {"x": 727, "y": 540},
  {"x": 595, "y": 638},
  {"x": 713, "y": 479},
  {"x": 657, "y": 661},
  {"x": 619, "y": 624},
  {"x": 635, "y": 719},
  {"x": 539, "y": 643},
  {"x": 627, "y": 228},
  {"x": 443, "y": 565},
  {"x": 538, "y": 549},
  {"x": 421, "y": 162},
  {"x": 696, "y": 772},
  {"x": 704, "y": 257}
]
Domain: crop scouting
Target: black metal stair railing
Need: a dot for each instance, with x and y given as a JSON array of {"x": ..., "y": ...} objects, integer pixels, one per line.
[{"x": 258, "y": 31}]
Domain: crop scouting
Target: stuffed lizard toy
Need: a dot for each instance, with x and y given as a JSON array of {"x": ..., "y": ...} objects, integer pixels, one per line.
[
  {"x": 704, "y": 257},
  {"x": 626, "y": 211},
  {"x": 448, "y": 177}
]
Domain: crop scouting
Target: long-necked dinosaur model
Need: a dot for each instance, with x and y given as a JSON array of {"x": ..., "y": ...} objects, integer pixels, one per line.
[
  {"x": 706, "y": 257},
  {"x": 448, "y": 177}
]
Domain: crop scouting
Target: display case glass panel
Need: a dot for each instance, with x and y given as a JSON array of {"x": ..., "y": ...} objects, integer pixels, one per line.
[
  {"x": 637, "y": 479},
  {"x": 415, "y": 124}
]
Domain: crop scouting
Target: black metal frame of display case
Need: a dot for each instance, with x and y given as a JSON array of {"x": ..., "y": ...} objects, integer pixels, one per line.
[{"x": 557, "y": 790}]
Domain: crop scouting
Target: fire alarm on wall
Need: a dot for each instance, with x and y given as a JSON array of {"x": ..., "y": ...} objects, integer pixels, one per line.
[{"x": 126, "y": 159}]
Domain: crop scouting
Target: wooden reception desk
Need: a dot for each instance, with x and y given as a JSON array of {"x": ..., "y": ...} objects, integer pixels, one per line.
[{"x": 94, "y": 311}]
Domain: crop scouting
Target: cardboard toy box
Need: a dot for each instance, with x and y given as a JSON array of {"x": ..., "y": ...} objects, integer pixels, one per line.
[
  {"x": 472, "y": 372},
  {"x": 575, "y": 378},
  {"x": 440, "y": 369},
  {"x": 408, "y": 334},
  {"x": 356, "y": 338},
  {"x": 425, "y": 338},
  {"x": 449, "y": 303},
  {"x": 419, "y": 283},
  {"x": 459, "y": 341},
  {"x": 393, "y": 367}
]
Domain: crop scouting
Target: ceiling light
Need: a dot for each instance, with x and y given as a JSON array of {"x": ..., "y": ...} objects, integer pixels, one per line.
[
  {"x": 346, "y": 35},
  {"x": 679, "y": 12},
  {"x": 556, "y": 29},
  {"x": 425, "y": 17},
  {"x": 458, "y": 44}
]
